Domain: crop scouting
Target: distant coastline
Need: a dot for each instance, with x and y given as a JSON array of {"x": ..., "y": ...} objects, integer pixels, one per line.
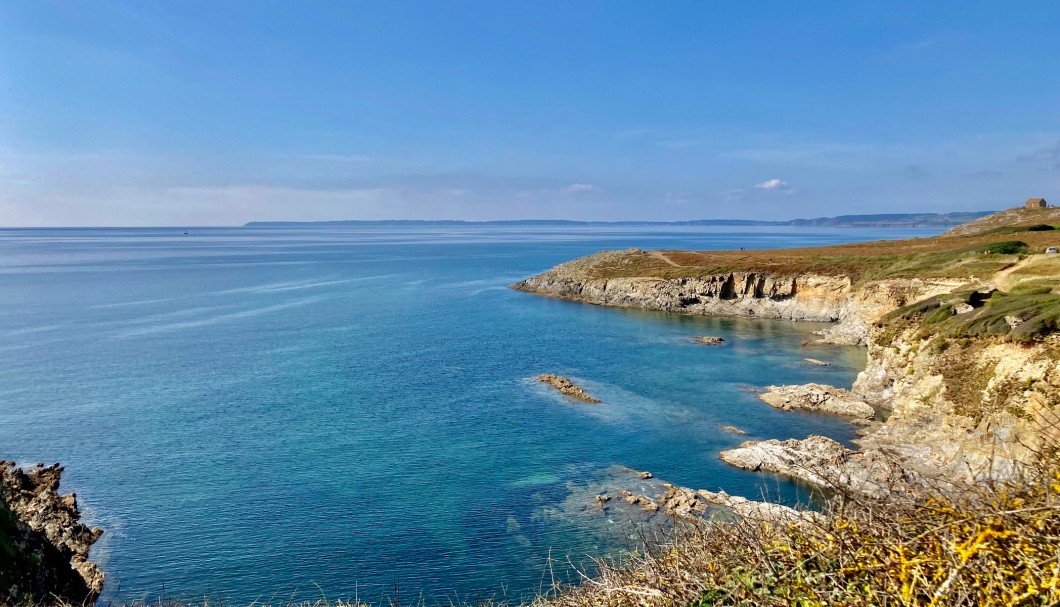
[{"x": 886, "y": 220}]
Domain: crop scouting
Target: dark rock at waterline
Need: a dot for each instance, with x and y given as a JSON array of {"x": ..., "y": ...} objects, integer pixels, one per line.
[{"x": 43, "y": 544}]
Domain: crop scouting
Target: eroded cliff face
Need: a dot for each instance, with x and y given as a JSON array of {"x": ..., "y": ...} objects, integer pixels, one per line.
[
  {"x": 43, "y": 544},
  {"x": 961, "y": 408},
  {"x": 799, "y": 297}
]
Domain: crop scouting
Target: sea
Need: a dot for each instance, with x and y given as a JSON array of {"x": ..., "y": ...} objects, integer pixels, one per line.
[{"x": 299, "y": 413}]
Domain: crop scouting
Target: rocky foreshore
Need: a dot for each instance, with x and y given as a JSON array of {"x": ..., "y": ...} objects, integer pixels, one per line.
[
  {"x": 43, "y": 541},
  {"x": 625, "y": 490},
  {"x": 567, "y": 387}
]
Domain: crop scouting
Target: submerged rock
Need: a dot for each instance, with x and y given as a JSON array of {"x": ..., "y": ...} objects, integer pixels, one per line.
[
  {"x": 43, "y": 544},
  {"x": 818, "y": 397},
  {"x": 567, "y": 387},
  {"x": 708, "y": 340},
  {"x": 734, "y": 430}
]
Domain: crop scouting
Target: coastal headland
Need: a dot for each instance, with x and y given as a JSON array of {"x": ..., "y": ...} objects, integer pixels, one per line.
[
  {"x": 951, "y": 496},
  {"x": 960, "y": 328}
]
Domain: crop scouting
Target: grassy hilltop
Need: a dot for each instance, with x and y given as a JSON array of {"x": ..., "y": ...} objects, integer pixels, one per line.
[{"x": 962, "y": 252}]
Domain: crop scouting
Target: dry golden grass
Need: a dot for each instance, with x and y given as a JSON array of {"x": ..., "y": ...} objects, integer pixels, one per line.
[{"x": 938, "y": 257}]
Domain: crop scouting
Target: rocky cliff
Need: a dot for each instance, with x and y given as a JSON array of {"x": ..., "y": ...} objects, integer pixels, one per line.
[
  {"x": 965, "y": 400},
  {"x": 765, "y": 294},
  {"x": 962, "y": 408},
  {"x": 43, "y": 544}
]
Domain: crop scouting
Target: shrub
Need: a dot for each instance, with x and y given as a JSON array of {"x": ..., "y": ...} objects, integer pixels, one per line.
[
  {"x": 1041, "y": 227},
  {"x": 1007, "y": 247}
]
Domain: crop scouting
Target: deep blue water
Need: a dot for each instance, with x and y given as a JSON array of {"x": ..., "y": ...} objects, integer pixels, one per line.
[{"x": 262, "y": 413}]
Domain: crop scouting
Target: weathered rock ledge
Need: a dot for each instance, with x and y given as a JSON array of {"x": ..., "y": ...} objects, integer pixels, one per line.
[
  {"x": 50, "y": 544},
  {"x": 823, "y": 462},
  {"x": 818, "y": 398}
]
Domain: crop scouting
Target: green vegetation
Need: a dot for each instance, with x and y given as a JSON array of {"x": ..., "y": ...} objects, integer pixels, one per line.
[
  {"x": 1024, "y": 314},
  {"x": 1041, "y": 227},
  {"x": 1008, "y": 247}
]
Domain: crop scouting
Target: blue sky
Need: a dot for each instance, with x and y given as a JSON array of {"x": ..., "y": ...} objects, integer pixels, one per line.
[{"x": 202, "y": 113}]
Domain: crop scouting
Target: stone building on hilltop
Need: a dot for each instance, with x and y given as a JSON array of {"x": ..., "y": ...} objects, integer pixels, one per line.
[{"x": 1036, "y": 203}]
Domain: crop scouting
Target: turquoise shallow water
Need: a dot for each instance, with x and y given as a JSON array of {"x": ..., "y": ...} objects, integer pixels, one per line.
[{"x": 257, "y": 413}]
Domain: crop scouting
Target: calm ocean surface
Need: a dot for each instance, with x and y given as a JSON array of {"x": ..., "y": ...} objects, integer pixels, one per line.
[{"x": 273, "y": 413}]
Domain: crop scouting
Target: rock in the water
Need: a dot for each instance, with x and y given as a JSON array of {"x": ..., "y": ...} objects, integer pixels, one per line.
[
  {"x": 819, "y": 363},
  {"x": 645, "y": 475},
  {"x": 48, "y": 558},
  {"x": 679, "y": 501},
  {"x": 643, "y": 501},
  {"x": 567, "y": 387},
  {"x": 818, "y": 397},
  {"x": 708, "y": 340},
  {"x": 734, "y": 430}
]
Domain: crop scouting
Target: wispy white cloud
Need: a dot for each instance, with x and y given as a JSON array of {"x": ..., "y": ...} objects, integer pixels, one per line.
[
  {"x": 578, "y": 188},
  {"x": 773, "y": 184}
]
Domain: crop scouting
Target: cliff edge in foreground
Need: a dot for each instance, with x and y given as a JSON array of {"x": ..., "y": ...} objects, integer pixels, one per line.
[{"x": 43, "y": 544}]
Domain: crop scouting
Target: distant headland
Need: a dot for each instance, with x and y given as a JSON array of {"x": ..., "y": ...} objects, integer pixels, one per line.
[{"x": 896, "y": 220}]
